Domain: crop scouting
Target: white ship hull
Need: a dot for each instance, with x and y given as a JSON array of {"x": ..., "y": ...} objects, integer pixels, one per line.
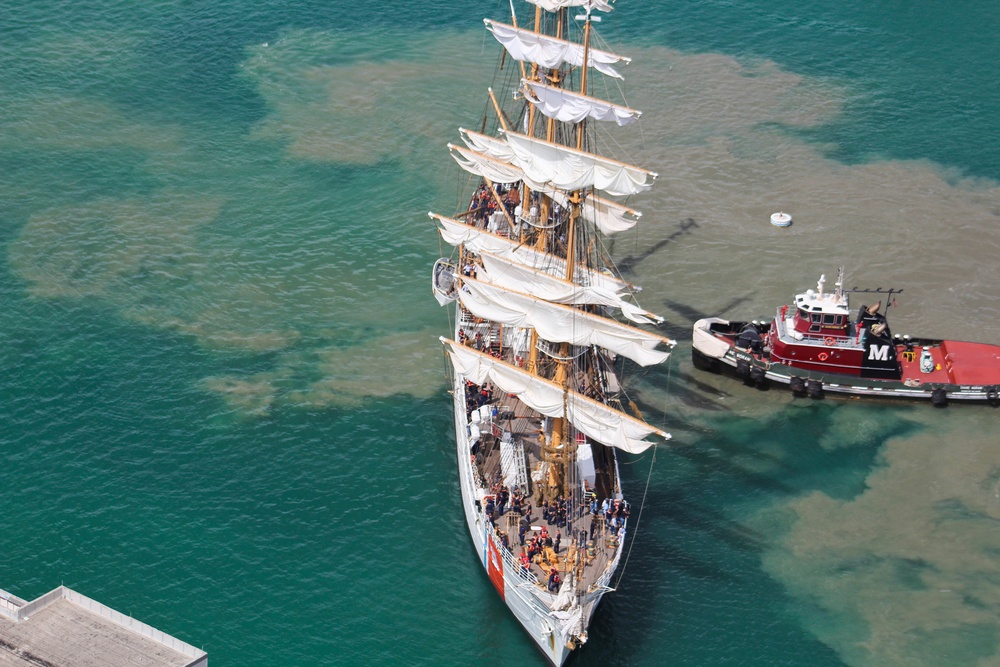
[{"x": 529, "y": 603}]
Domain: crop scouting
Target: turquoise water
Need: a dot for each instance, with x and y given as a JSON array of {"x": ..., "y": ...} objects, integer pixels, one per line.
[{"x": 224, "y": 405}]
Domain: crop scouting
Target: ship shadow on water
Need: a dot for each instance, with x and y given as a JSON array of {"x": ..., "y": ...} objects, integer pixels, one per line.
[
  {"x": 627, "y": 263},
  {"x": 678, "y": 383},
  {"x": 700, "y": 534},
  {"x": 684, "y": 387},
  {"x": 692, "y": 314},
  {"x": 660, "y": 572}
]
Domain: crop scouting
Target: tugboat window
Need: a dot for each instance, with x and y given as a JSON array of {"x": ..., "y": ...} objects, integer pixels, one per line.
[{"x": 829, "y": 319}]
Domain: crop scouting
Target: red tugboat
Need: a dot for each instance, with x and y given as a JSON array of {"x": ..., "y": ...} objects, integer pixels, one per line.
[{"x": 814, "y": 347}]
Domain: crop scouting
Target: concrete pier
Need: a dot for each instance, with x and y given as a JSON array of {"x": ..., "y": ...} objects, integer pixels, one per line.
[{"x": 65, "y": 629}]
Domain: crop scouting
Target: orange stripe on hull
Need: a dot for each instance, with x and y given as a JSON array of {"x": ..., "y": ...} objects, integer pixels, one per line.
[{"x": 494, "y": 565}]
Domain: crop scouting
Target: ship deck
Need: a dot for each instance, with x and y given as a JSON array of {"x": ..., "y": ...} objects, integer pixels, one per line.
[{"x": 586, "y": 542}]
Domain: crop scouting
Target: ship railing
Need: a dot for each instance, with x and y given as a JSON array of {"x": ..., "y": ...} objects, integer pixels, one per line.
[
  {"x": 819, "y": 340},
  {"x": 779, "y": 320},
  {"x": 508, "y": 558},
  {"x": 604, "y": 580},
  {"x": 829, "y": 341},
  {"x": 477, "y": 476}
]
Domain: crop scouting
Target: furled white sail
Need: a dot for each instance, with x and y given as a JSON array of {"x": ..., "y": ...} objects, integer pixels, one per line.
[
  {"x": 562, "y": 324},
  {"x": 551, "y": 52},
  {"x": 564, "y": 607},
  {"x": 570, "y": 107},
  {"x": 477, "y": 240},
  {"x": 520, "y": 278},
  {"x": 593, "y": 418},
  {"x": 556, "y": 5},
  {"x": 569, "y": 169}
]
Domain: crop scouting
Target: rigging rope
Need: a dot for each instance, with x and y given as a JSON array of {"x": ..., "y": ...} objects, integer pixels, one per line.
[{"x": 645, "y": 491}]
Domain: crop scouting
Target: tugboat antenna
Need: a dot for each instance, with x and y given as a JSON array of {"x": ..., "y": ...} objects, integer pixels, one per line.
[{"x": 878, "y": 290}]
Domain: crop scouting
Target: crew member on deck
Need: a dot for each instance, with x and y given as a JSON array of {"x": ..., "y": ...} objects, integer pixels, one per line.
[{"x": 554, "y": 580}]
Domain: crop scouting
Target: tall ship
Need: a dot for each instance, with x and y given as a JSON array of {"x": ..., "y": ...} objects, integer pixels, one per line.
[
  {"x": 545, "y": 329},
  {"x": 816, "y": 345}
]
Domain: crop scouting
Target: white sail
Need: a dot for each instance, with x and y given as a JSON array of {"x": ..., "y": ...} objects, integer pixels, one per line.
[
  {"x": 562, "y": 324},
  {"x": 520, "y": 278},
  {"x": 495, "y": 147},
  {"x": 491, "y": 158},
  {"x": 608, "y": 216},
  {"x": 556, "y": 5},
  {"x": 570, "y": 107},
  {"x": 593, "y": 418},
  {"x": 477, "y": 240},
  {"x": 488, "y": 167},
  {"x": 569, "y": 169},
  {"x": 488, "y": 155},
  {"x": 551, "y": 52},
  {"x": 560, "y": 166}
]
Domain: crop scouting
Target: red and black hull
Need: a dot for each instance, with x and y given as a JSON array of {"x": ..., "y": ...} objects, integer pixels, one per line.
[{"x": 876, "y": 368}]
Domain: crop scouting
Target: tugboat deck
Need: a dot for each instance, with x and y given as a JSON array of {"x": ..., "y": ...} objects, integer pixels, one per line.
[
  {"x": 956, "y": 362},
  {"x": 814, "y": 347}
]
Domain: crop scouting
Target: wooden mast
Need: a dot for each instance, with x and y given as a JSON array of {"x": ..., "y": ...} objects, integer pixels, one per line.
[
  {"x": 563, "y": 448},
  {"x": 543, "y": 207}
]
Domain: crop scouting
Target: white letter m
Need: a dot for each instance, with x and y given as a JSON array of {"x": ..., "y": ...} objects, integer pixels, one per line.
[{"x": 878, "y": 353}]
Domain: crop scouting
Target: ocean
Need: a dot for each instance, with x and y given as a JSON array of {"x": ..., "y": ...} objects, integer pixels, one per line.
[{"x": 224, "y": 404}]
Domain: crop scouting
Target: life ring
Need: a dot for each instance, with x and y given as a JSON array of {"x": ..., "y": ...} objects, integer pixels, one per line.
[
  {"x": 829, "y": 340},
  {"x": 823, "y": 356}
]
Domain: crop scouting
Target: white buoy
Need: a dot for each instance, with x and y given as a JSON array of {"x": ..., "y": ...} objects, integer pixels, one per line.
[{"x": 781, "y": 219}]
